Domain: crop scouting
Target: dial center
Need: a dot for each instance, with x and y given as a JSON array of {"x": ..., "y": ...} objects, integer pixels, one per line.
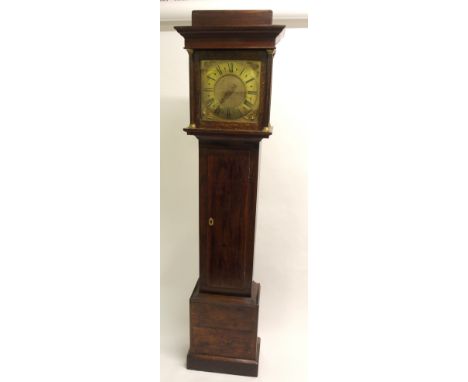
[{"x": 229, "y": 91}]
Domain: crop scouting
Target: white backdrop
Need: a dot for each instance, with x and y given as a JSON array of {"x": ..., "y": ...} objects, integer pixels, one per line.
[{"x": 281, "y": 236}]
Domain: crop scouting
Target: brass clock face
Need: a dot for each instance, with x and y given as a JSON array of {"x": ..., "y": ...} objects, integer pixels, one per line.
[{"x": 230, "y": 90}]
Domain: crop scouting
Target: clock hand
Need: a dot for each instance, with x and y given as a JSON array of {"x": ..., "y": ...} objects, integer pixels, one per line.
[{"x": 227, "y": 94}]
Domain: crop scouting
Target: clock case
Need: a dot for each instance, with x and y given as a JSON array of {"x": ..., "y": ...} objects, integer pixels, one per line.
[{"x": 224, "y": 304}]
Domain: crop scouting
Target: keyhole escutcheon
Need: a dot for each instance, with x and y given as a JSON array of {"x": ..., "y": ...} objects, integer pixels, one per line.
[{"x": 210, "y": 222}]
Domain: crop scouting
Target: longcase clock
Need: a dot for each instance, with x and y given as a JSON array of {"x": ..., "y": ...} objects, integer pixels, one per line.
[{"x": 231, "y": 56}]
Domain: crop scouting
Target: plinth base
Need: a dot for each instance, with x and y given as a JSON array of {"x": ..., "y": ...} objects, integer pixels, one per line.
[
  {"x": 225, "y": 365},
  {"x": 223, "y": 333}
]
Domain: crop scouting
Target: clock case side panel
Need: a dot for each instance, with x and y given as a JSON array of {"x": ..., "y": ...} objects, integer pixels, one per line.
[
  {"x": 261, "y": 55},
  {"x": 227, "y": 247},
  {"x": 192, "y": 88}
]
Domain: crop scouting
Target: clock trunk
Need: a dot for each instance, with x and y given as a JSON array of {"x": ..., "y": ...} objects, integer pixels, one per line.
[{"x": 228, "y": 194}]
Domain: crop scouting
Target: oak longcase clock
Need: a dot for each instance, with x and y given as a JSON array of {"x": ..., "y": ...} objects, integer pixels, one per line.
[{"x": 230, "y": 64}]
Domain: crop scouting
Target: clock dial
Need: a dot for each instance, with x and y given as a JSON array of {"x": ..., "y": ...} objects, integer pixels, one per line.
[{"x": 230, "y": 90}]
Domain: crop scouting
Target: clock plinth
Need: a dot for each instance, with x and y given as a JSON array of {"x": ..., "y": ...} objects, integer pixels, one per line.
[
  {"x": 223, "y": 332},
  {"x": 230, "y": 64}
]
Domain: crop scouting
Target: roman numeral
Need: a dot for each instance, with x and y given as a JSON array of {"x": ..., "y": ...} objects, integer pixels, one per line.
[
  {"x": 219, "y": 69},
  {"x": 210, "y": 90},
  {"x": 231, "y": 67},
  {"x": 249, "y": 80},
  {"x": 211, "y": 78},
  {"x": 248, "y": 103},
  {"x": 210, "y": 101},
  {"x": 253, "y": 92},
  {"x": 228, "y": 113}
]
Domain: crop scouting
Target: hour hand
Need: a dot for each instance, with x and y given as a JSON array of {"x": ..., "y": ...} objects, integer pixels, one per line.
[{"x": 227, "y": 94}]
